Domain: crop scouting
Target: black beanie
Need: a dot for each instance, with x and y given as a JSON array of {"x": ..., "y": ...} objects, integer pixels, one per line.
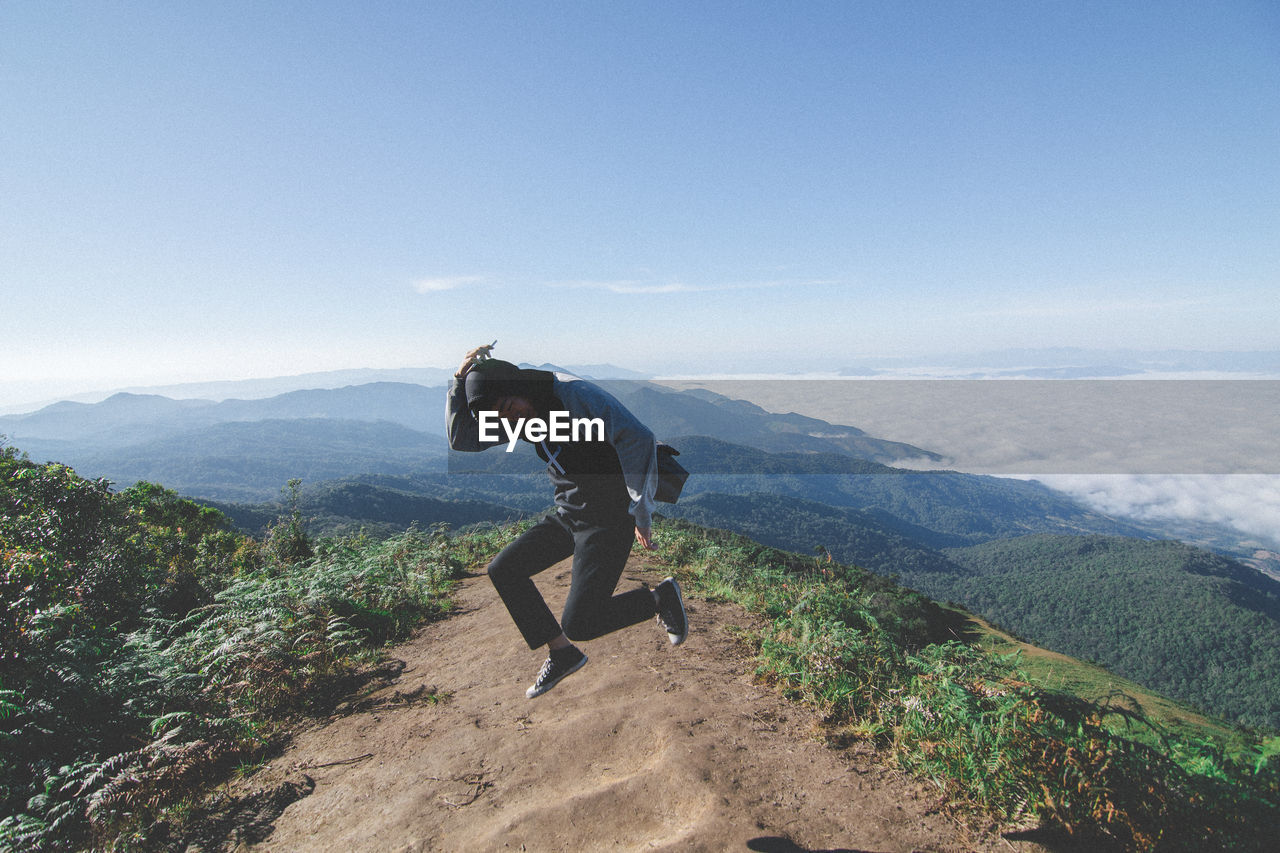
[{"x": 492, "y": 379}]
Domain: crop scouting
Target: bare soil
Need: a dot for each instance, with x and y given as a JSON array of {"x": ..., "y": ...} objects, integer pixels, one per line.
[{"x": 648, "y": 747}]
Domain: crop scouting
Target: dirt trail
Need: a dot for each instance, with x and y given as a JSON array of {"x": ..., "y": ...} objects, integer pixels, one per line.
[{"x": 648, "y": 747}]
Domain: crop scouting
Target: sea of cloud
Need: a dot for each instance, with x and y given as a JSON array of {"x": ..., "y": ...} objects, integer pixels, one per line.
[
  {"x": 1249, "y": 503},
  {"x": 1195, "y": 450}
]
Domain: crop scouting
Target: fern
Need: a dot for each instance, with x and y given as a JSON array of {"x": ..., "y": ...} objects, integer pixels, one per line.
[
  {"x": 121, "y": 704},
  {"x": 971, "y": 722}
]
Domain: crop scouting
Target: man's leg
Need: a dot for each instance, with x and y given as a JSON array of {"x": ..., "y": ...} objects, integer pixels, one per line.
[
  {"x": 537, "y": 549},
  {"x": 592, "y": 610}
]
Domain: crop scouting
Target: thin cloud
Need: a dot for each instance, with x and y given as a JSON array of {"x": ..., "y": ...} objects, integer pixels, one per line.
[
  {"x": 635, "y": 286},
  {"x": 437, "y": 285},
  {"x": 1077, "y": 308}
]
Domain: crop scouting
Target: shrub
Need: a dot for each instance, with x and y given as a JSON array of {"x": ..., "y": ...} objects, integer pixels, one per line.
[
  {"x": 148, "y": 649},
  {"x": 994, "y": 744}
]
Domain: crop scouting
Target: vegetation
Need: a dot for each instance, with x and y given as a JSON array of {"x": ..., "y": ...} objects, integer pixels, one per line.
[
  {"x": 861, "y": 651},
  {"x": 1177, "y": 619},
  {"x": 342, "y": 507},
  {"x": 942, "y": 508},
  {"x": 147, "y": 648},
  {"x": 249, "y": 460},
  {"x": 1180, "y": 620},
  {"x": 1064, "y": 674}
]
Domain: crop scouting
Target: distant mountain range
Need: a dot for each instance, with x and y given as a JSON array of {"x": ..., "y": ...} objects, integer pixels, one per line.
[
  {"x": 256, "y": 389},
  {"x": 1044, "y": 363},
  {"x": 126, "y": 419},
  {"x": 238, "y": 449},
  {"x": 374, "y": 456},
  {"x": 245, "y": 450}
]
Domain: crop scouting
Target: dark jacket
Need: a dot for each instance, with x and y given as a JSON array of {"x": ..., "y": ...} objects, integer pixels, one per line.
[{"x": 598, "y": 482}]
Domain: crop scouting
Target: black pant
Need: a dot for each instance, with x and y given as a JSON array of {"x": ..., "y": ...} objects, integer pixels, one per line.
[{"x": 592, "y": 610}]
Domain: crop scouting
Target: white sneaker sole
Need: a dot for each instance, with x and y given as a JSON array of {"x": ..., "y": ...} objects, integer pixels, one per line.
[{"x": 677, "y": 639}]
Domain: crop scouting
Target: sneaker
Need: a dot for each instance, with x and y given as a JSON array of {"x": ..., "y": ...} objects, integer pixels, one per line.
[
  {"x": 559, "y": 663},
  {"x": 671, "y": 611}
]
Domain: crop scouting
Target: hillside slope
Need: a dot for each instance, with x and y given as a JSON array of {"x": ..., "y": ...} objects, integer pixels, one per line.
[
  {"x": 1193, "y": 625},
  {"x": 1180, "y": 620},
  {"x": 647, "y": 748},
  {"x": 149, "y": 651}
]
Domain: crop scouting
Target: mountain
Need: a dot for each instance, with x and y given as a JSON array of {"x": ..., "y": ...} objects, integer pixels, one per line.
[
  {"x": 934, "y": 509},
  {"x": 251, "y": 389},
  {"x": 948, "y": 508},
  {"x": 254, "y": 389},
  {"x": 669, "y": 412},
  {"x": 131, "y": 436},
  {"x": 1183, "y": 621},
  {"x": 134, "y": 436},
  {"x": 116, "y": 420},
  {"x": 1180, "y": 620},
  {"x": 125, "y": 419},
  {"x": 346, "y": 506},
  {"x": 592, "y": 371},
  {"x": 252, "y": 460},
  {"x": 876, "y": 541}
]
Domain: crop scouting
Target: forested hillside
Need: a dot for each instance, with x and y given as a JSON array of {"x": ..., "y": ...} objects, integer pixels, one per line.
[
  {"x": 1181, "y": 620},
  {"x": 148, "y": 651},
  {"x": 251, "y": 460},
  {"x": 1188, "y": 623}
]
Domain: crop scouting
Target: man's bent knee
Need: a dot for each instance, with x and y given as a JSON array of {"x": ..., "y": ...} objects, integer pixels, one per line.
[
  {"x": 498, "y": 569},
  {"x": 581, "y": 628}
]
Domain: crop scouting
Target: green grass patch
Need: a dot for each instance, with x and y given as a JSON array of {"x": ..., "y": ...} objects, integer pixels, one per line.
[
  {"x": 1057, "y": 672},
  {"x": 884, "y": 664}
]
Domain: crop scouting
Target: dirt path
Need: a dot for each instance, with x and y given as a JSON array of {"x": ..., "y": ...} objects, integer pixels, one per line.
[{"x": 648, "y": 747}]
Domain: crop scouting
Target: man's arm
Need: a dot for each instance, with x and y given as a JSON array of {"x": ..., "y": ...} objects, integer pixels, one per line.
[
  {"x": 634, "y": 442},
  {"x": 462, "y": 428}
]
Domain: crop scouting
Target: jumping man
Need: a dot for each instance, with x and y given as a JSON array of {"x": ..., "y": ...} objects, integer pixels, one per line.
[{"x": 604, "y": 480}]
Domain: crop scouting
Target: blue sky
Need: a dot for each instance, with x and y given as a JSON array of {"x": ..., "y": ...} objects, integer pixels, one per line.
[{"x": 226, "y": 190}]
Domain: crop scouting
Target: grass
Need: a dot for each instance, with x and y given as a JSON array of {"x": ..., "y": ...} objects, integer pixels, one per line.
[
  {"x": 211, "y": 693},
  {"x": 999, "y": 744},
  {"x": 187, "y": 698},
  {"x": 1057, "y": 672}
]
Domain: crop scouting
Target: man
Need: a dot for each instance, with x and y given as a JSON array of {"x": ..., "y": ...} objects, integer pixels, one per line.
[{"x": 604, "y": 482}]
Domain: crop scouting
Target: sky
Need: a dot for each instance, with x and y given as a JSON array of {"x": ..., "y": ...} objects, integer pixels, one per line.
[{"x": 197, "y": 191}]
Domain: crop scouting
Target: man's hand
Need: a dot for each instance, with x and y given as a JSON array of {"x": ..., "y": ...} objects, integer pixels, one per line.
[
  {"x": 644, "y": 536},
  {"x": 473, "y": 358}
]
